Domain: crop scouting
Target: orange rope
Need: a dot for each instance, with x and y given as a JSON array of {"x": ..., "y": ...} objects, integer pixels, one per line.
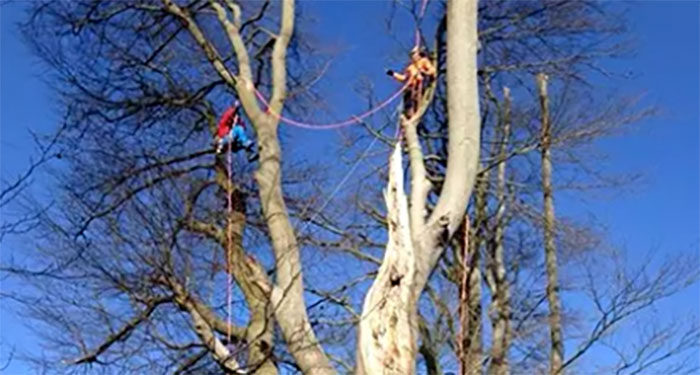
[
  {"x": 420, "y": 18},
  {"x": 463, "y": 311}
]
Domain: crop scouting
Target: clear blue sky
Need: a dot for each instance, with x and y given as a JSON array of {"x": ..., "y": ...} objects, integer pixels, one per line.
[{"x": 663, "y": 214}]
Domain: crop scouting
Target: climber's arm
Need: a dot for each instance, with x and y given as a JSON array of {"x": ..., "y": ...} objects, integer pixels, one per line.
[{"x": 397, "y": 76}]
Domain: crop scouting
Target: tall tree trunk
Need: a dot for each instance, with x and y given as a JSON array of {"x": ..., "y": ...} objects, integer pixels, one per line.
[
  {"x": 557, "y": 346},
  {"x": 499, "y": 311},
  {"x": 470, "y": 341},
  {"x": 287, "y": 295},
  {"x": 464, "y": 131},
  {"x": 472, "y": 338}
]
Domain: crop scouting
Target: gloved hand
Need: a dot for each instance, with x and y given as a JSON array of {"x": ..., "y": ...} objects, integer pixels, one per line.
[{"x": 390, "y": 72}]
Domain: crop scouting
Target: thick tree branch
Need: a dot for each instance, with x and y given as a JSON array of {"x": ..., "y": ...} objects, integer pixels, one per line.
[
  {"x": 244, "y": 85},
  {"x": 420, "y": 185},
  {"x": 279, "y": 57},
  {"x": 204, "y": 329},
  {"x": 209, "y": 50}
]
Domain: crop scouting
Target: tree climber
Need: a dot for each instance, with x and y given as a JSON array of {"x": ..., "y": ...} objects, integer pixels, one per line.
[
  {"x": 231, "y": 129},
  {"x": 419, "y": 74}
]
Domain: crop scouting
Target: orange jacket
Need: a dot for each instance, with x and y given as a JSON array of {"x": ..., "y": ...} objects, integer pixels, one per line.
[{"x": 415, "y": 71}]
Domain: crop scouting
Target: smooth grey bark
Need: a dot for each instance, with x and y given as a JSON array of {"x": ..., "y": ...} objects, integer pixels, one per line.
[
  {"x": 287, "y": 295},
  {"x": 464, "y": 137},
  {"x": 556, "y": 354},
  {"x": 388, "y": 329}
]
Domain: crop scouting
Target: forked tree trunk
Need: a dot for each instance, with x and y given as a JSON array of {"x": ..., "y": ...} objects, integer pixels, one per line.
[
  {"x": 388, "y": 327},
  {"x": 557, "y": 346}
]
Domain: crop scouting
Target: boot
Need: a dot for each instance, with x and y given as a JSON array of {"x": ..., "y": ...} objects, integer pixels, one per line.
[{"x": 252, "y": 155}]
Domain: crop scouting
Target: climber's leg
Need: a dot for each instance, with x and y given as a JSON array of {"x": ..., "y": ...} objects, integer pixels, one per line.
[{"x": 241, "y": 137}]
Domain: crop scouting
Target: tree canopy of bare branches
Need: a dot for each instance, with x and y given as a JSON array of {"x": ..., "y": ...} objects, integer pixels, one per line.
[{"x": 126, "y": 269}]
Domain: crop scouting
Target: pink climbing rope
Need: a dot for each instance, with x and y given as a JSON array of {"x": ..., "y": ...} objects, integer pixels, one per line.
[
  {"x": 354, "y": 119},
  {"x": 229, "y": 278},
  {"x": 350, "y": 121},
  {"x": 421, "y": 13},
  {"x": 422, "y": 9}
]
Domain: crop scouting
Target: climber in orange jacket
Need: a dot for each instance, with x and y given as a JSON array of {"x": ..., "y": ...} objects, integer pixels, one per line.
[{"x": 418, "y": 75}]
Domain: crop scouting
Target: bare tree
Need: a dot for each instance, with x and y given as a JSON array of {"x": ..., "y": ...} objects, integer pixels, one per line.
[
  {"x": 124, "y": 176},
  {"x": 128, "y": 274},
  {"x": 165, "y": 197},
  {"x": 12, "y": 191}
]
